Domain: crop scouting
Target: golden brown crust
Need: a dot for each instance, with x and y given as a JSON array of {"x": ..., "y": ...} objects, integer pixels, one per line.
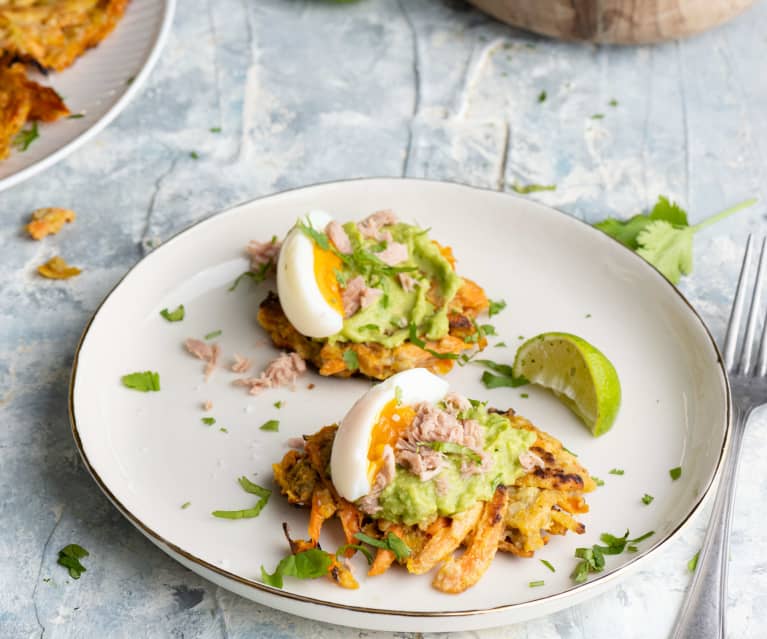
[
  {"x": 376, "y": 360},
  {"x": 519, "y": 519},
  {"x": 54, "y": 33}
]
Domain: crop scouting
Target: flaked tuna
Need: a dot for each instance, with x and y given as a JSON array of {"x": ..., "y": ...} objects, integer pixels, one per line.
[
  {"x": 394, "y": 253},
  {"x": 261, "y": 253},
  {"x": 358, "y": 295},
  {"x": 338, "y": 236},
  {"x": 370, "y": 227},
  {"x": 407, "y": 282},
  {"x": 282, "y": 371},
  {"x": 241, "y": 364},
  {"x": 208, "y": 353}
]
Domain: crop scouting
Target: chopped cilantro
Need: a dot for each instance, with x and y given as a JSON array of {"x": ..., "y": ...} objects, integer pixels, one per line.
[
  {"x": 617, "y": 471},
  {"x": 256, "y": 277},
  {"x": 368, "y": 555},
  {"x": 597, "y": 481},
  {"x": 273, "y": 425},
  {"x": 693, "y": 563},
  {"x": 307, "y": 564},
  {"x": 613, "y": 102},
  {"x": 223, "y": 430},
  {"x": 505, "y": 377},
  {"x": 214, "y": 334},
  {"x": 254, "y": 489},
  {"x": 567, "y": 450},
  {"x": 186, "y": 505},
  {"x": 173, "y": 316},
  {"x": 524, "y": 395},
  {"x": 75, "y": 116},
  {"x": 536, "y": 584},
  {"x": 500, "y": 345},
  {"x": 647, "y": 499},
  {"x": 194, "y": 155},
  {"x": 593, "y": 560},
  {"x": 524, "y": 189},
  {"x": 390, "y": 542},
  {"x": 278, "y": 404},
  {"x": 597, "y": 116},
  {"x": 25, "y": 137},
  {"x": 351, "y": 360},
  {"x": 70, "y": 556},
  {"x": 319, "y": 238},
  {"x": 663, "y": 236},
  {"x": 588, "y": 315},
  {"x": 548, "y": 565},
  {"x": 451, "y": 448},
  {"x": 208, "y": 421},
  {"x": 675, "y": 473},
  {"x": 143, "y": 382},
  {"x": 417, "y": 341},
  {"x": 542, "y": 96},
  {"x": 488, "y": 329},
  {"x": 215, "y": 129},
  {"x": 496, "y": 306}
]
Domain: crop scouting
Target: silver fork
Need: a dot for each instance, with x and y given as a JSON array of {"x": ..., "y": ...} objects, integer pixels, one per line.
[{"x": 703, "y": 612}]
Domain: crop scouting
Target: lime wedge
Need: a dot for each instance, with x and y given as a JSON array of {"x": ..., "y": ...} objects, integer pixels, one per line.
[{"x": 577, "y": 372}]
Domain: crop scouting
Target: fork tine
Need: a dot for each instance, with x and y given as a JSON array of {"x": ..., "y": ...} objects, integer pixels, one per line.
[
  {"x": 753, "y": 315},
  {"x": 733, "y": 328}
]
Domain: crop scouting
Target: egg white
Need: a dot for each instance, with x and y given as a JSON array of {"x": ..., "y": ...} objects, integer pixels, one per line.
[
  {"x": 349, "y": 456},
  {"x": 300, "y": 296}
]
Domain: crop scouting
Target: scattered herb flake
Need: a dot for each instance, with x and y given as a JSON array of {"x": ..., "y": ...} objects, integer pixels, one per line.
[
  {"x": 208, "y": 421},
  {"x": 675, "y": 473},
  {"x": 542, "y": 96},
  {"x": 256, "y": 277},
  {"x": 496, "y": 306},
  {"x": 173, "y": 316},
  {"x": 647, "y": 499},
  {"x": 273, "y": 425},
  {"x": 524, "y": 189},
  {"x": 319, "y": 238},
  {"x": 278, "y": 404},
  {"x": 142, "y": 381},
  {"x": 536, "y": 584},
  {"x": 524, "y": 395},
  {"x": 613, "y": 102},
  {"x": 214, "y": 334},
  {"x": 593, "y": 559},
  {"x": 500, "y": 345},
  {"x": 505, "y": 377},
  {"x": 75, "y": 116},
  {"x": 351, "y": 360},
  {"x": 307, "y": 564},
  {"x": 186, "y": 505},
  {"x": 548, "y": 565},
  {"x": 693, "y": 563},
  {"x": 597, "y": 481},
  {"x": 567, "y": 450},
  {"x": 194, "y": 155},
  {"x": 617, "y": 471},
  {"x": 451, "y": 448},
  {"x": 368, "y": 555},
  {"x": 391, "y": 542},
  {"x": 223, "y": 429},
  {"x": 215, "y": 129},
  {"x": 254, "y": 489},
  {"x": 597, "y": 116},
  {"x": 25, "y": 137},
  {"x": 70, "y": 556},
  {"x": 488, "y": 329}
]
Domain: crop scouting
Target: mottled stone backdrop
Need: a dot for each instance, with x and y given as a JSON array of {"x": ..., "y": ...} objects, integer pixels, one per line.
[{"x": 309, "y": 91}]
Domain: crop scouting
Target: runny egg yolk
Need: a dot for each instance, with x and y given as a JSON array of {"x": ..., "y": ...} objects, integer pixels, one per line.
[
  {"x": 392, "y": 422},
  {"x": 326, "y": 264}
]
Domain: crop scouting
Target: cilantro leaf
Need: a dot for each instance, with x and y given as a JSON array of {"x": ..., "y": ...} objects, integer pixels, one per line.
[
  {"x": 368, "y": 555},
  {"x": 542, "y": 96},
  {"x": 451, "y": 448},
  {"x": 548, "y": 565},
  {"x": 496, "y": 306},
  {"x": 647, "y": 499},
  {"x": 70, "y": 556},
  {"x": 597, "y": 481},
  {"x": 173, "y": 316},
  {"x": 254, "y": 489},
  {"x": 273, "y": 425},
  {"x": 536, "y": 584},
  {"x": 256, "y": 277},
  {"x": 524, "y": 189},
  {"x": 593, "y": 559},
  {"x": 307, "y": 564},
  {"x": 25, "y": 137},
  {"x": 505, "y": 377},
  {"x": 675, "y": 473},
  {"x": 143, "y": 382},
  {"x": 319, "y": 238},
  {"x": 617, "y": 471},
  {"x": 214, "y": 334},
  {"x": 208, "y": 421},
  {"x": 625, "y": 232},
  {"x": 390, "y": 542},
  {"x": 693, "y": 563},
  {"x": 351, "y": 360}
]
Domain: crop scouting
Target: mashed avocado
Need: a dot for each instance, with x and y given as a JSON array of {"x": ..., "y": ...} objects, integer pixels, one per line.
[
  {"x": 386, "y": 322},
  {"x": 409, "y": 500}
]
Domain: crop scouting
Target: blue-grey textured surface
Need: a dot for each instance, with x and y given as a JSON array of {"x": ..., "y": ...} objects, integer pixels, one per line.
[{"x": 314, "y": 91}]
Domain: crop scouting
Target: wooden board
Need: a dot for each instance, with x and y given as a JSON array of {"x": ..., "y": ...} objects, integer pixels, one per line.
[{"x": 614, "y": 21}]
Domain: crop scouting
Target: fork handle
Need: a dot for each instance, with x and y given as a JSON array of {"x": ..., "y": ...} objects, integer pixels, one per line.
[{"x": 703, "y": 612}]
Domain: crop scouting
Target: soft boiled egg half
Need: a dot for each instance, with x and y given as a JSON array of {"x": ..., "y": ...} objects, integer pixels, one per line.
[
  {"x": 309, "y": 292},
  {"x": 376, "y": 420}
]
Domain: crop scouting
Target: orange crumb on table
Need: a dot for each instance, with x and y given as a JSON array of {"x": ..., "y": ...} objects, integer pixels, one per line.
[{"x": 48, "y": 221}]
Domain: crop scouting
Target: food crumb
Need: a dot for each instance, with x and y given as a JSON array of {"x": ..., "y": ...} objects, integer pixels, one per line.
[
  {"x": 48, "y": 221},
  {"x": 310, "y": 386},
  {"x": 57, "y": 268},
  {"x": 208, "y": 405},
  {"x": 241, "y": 364}
]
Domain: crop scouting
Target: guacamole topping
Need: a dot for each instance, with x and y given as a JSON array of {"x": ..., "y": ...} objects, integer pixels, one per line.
[
  {"x": 410, "y": 500},
  {"x": 434, "y": 284}
]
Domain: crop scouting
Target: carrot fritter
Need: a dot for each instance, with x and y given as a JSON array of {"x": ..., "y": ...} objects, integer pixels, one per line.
[
  {"x": 375, "y": 360},
  {"x": 22, "y": 101},
  {"x": 519, "y": 519},
  {"x": 54, "y": 33}
]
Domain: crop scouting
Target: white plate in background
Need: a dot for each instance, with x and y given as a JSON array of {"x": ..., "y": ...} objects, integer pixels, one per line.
[
  {"x": 99, "y": 85},
  {"x": 150, "y": 453}
]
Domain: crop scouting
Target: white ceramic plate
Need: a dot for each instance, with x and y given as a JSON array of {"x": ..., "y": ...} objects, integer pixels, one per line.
[
  {"x": 99, "y": 85},
  {"x": 150, "y": 452}
]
